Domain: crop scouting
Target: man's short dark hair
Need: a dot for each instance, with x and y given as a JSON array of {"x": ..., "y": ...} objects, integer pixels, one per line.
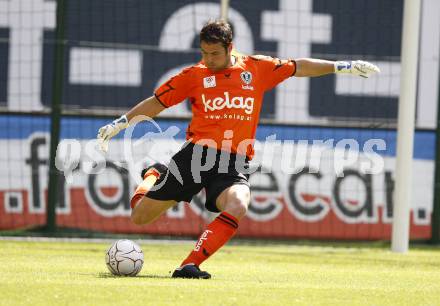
[{"x": 217, "y": 31}]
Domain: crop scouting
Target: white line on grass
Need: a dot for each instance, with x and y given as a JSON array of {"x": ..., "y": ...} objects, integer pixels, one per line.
[{"x": 93, "y": 240}]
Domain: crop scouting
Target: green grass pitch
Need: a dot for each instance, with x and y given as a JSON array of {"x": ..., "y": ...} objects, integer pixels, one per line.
[{"x": 73, "y": 273}]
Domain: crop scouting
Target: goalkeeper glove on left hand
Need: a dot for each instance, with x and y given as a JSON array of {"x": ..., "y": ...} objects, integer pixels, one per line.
[
  {"x": 110, "y": 130},
  {"x": 360, "y": 68}
]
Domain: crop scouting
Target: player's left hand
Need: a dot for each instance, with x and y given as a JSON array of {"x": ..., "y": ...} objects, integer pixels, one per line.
[
  {"x": 110, "y": 130},
  {"x": 361, "y": 68}
]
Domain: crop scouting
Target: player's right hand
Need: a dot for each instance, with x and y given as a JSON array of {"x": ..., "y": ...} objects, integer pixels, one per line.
[
  {"x": 110, "y": 130},
  {"x": 360, "y": 68}
]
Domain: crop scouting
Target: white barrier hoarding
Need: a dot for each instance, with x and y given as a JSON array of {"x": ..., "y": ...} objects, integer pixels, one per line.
[{"x": 301, "y": 188}]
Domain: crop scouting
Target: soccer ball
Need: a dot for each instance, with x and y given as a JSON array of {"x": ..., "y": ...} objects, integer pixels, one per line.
[{"x": 124, "y": 258}]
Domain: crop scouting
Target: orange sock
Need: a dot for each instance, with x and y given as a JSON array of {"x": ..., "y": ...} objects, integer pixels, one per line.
[
  {"x": 150, "y": 178},
  {"x": 213, "y": 238}
]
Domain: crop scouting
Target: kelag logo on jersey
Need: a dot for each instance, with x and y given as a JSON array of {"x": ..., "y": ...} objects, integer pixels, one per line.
[{"x": 219, "y": 103}]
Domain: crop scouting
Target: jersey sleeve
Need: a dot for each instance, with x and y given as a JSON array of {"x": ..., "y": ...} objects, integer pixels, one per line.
[
  {"x": 176, "y": 89},
  {"x": 275, "y": 70}
]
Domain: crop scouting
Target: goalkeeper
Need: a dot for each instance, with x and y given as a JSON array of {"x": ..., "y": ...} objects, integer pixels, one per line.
[{"x": 225, "y": 90}]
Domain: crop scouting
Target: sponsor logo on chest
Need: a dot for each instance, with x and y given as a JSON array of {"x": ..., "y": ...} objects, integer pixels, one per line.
[
  {"x": 245, "y": 76},
  {"x": 209, "y": 82},
  {"x": 219, "y": 103}
]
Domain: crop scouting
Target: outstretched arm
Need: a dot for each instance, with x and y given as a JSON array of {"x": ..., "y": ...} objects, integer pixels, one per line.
[
  {"x": 310, "y": 67},
  {"x": 145, "y": 109},
  {"x": 150, "y": 107}
]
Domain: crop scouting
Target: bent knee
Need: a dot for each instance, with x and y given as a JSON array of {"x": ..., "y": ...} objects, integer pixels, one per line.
[
  {"x": 238, "y": 210},
  {"x": 237, "y": 207}
]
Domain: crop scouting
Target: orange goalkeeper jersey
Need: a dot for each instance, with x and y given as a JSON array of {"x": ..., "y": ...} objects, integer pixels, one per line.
[{"x": 226, "y": 104}]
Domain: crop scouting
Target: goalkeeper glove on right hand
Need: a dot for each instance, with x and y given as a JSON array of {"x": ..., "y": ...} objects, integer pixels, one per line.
[
  {"x": 110, "y": 130},
  {"x": 360, "y": 68}
]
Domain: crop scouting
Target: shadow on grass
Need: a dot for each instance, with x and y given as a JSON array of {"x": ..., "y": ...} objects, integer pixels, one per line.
[{"x": 109, "y": 275}]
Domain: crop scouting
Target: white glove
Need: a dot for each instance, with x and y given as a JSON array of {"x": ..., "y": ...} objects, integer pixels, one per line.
[
  {"x": 360, "y": 68},
  {"x": 110, "y": 130}
]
